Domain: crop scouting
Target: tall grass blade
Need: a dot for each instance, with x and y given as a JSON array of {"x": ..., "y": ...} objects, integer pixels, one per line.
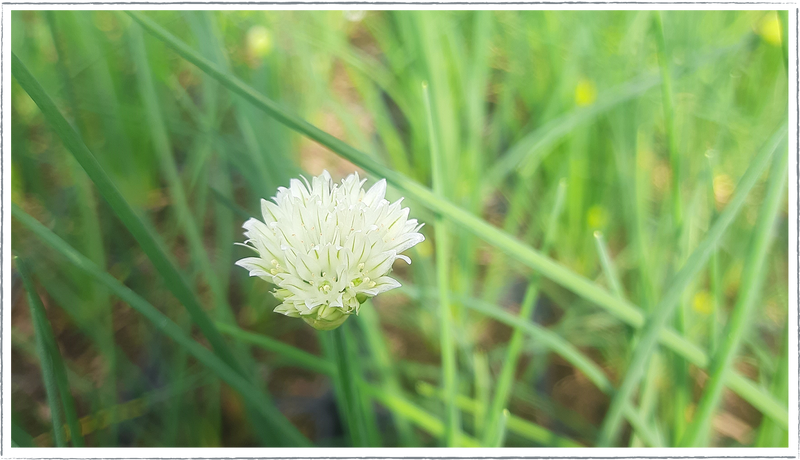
[{"x": 769, "y": 434}]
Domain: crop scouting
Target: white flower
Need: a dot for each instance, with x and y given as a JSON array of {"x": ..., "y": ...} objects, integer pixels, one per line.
[{"x": 328, "y": 247}]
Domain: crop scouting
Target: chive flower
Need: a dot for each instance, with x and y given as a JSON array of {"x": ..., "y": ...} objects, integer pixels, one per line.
[{"x": 328, "y": 247}]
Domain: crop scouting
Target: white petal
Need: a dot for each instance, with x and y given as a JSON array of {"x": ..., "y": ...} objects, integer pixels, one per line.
[
  {"x": 287, "y": 309},
  {"x": 382, "y": 284},
  {"x": 376, "y": 192},
  {"x": 381, "y": 264}
]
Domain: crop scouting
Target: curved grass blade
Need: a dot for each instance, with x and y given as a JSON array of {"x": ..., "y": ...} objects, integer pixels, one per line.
[
  {"x": 215, "y": 363},
  {"x": 137, "y": 226},
  {"x": 666, "y": 307}
]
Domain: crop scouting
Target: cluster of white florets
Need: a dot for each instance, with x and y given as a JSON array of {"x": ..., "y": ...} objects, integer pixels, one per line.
[{"x": 328, "y": 247}]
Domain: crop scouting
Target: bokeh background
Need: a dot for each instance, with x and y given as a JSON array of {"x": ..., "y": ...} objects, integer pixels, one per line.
[{"x": 608, "y": 140}]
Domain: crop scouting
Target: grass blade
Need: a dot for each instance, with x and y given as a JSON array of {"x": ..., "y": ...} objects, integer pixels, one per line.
[
  {"x": 741, "y": 316},
  {"x": 416, "y": 415},
  {"x": 216, "y": 364},
  {"x": 53, "y": 355},
  {"x": 666, "y": 307},
  {"x": 291, "y": 354},
  {"x": 768, "y": 433},
  {"x": 551, "y": 341},
  {"x": 482, "y": 383},
  {"x": 441, "y": 233},
  {"x": 506, "y": 379},
  {"x": 608, "y": 266},
  {"x": 514, "y": 424},
  {"x": 669, "y": 119},
  {"x": 46, "y": 356},
  {"x": 500, "y": 434},
  {"x": 137, "y": 226},
  {"x": 20, "y": 436}
]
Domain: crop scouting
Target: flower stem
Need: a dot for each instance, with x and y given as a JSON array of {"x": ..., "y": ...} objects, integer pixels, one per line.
[{"x": 347, "y": 381}]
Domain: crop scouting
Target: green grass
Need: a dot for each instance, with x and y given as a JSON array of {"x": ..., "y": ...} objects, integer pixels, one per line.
[{"x": 605, "y": 259}]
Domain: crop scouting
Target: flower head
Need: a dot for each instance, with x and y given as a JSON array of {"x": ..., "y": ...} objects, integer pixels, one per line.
[{"x": 328, "y": 247}]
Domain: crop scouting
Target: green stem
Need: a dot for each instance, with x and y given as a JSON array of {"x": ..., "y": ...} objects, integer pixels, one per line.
[
  {"x": 347, "y": 379},
  {"x": 382, "y": 358}
]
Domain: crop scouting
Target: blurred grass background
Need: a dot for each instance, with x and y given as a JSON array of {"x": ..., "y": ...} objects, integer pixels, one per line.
[{"x": 609, "y": 141}]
